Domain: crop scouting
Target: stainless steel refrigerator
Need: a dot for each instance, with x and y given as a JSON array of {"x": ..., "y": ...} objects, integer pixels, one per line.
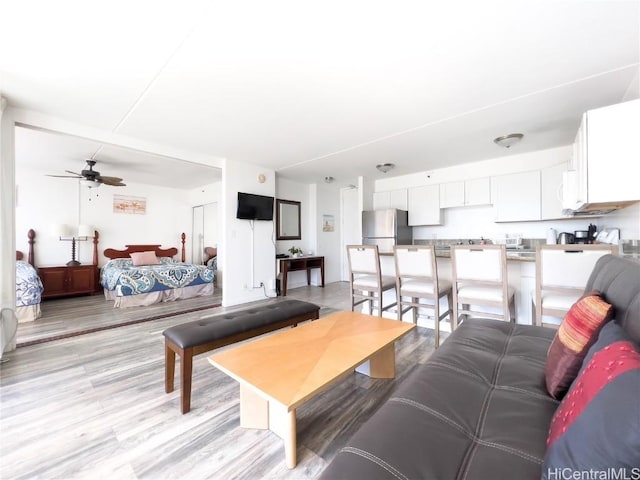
[{"x": 386, "y": 228}]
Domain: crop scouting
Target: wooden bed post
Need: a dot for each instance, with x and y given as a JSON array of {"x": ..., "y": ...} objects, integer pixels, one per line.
[
  {"x": 96, "y": 236},
  {"x": 183, "y": 238},
  {"x": 31, "y": 234}
]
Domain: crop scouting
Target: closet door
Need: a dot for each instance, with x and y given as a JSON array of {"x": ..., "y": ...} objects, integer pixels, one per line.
[
  {"x": 211, "y": 225},
  {"x": 197, "y": 238}
]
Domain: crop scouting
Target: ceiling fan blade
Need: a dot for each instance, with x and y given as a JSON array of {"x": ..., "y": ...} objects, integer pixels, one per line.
[
  {"x": 78, "y": 174},
  {"x": 105, "y": 179},
  {"x": 62, "y": 176},
  {"x": 112, "y": 181}
]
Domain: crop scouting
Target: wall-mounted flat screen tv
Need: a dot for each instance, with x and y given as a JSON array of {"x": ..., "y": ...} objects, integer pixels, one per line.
[{"x": 254, "y": 207}]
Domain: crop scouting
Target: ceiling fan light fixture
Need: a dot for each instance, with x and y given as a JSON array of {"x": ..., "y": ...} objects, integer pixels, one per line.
[
  {"x": 385, "y": 167},
  {"x": 86, "y": 182},
  {"x": 507, "y": 141}
]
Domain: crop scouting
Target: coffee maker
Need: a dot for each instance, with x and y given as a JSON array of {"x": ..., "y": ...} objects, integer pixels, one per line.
[{"x": 581, "y": 236}]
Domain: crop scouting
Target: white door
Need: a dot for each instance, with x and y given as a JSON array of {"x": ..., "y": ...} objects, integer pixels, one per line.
[
  {"x": 351, "y": 230},
  {"x": 197, "y": 237},
  {"x": 205, "y": 230}
]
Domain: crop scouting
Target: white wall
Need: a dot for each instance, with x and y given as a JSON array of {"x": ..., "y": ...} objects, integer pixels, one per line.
[
  {"x": 476, "y": 222},
  {"x": 328, "y": 201},
  {"x": 317, "y": 200},
  {"x": 44, "y": 202},
  {"x": 303, "y": 193},
  {"x": 298, "y": 192},
  {"x": 626, "y": 219},
  {"x": 249, "y": 255},
  {"x": 208, "y": 194}
]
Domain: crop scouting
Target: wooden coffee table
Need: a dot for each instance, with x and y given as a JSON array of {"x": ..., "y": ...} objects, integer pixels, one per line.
[{"x": 280, "y": 372}]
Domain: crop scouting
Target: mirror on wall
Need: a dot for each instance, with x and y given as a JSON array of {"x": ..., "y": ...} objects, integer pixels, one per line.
[
  {"x": 205, "y": 231},
  {"x": 288, "y": 220}
]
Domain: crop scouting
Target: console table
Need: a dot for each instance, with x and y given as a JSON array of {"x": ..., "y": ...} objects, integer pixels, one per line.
[{"x": 300, "y": 263}]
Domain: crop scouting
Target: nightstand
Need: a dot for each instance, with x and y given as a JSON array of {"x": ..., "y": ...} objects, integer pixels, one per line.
[{"x": 68, "y": 280}]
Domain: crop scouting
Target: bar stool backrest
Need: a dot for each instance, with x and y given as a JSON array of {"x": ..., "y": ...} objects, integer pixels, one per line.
[
  {"x": 414, "y": 261},
  {"x": 363, "y": 259},
  {"x": 482, "y": 263}
]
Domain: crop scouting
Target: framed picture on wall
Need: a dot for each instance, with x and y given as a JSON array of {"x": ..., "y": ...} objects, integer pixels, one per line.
[
  {"x": 328, "y": 223},
  {"x": 129, "y": 204}
]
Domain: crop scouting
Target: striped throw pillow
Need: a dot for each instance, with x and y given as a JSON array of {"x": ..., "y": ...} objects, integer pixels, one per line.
[{"x": 578, "y": 331}]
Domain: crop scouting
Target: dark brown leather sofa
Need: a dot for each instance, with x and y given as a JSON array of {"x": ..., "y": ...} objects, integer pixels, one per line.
[{"x": 478, "y": 409}]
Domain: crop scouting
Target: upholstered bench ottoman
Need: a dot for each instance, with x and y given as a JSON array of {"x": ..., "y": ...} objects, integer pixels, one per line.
[{"x": 193, "y": 338}]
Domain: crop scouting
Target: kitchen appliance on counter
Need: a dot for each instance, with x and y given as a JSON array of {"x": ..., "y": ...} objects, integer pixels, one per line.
[
  {"x": 566, "y": 238},
  {"x": 581, "y": 236},
  {"x": 609, "y": 235},
  {"x": 386, "y": 228}
]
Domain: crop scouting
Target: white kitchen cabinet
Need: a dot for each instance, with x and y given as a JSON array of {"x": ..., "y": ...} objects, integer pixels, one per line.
[
  {"x": 424, "y": 205},
  {"x": 381, "y": 200},
  {"x": 605, "y": 166},
  {"x": 551, "y": 192},
  {"x": 613, "y": 153},
  {"x": 398, "y": 199},
  {"x": 476, "y": 191},
  {"x": 390, "y": 199},
  {"x": 517, "y": 197},
  {"x": 452, "y": 194}
]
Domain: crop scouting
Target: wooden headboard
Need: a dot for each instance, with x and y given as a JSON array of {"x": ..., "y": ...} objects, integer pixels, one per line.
[
  {"x": 31, "y": 235},
  {"x": 112, "y": 253}
]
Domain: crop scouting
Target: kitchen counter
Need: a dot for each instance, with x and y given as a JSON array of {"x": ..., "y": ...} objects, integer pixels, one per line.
[{"x": 512, "y": 255}]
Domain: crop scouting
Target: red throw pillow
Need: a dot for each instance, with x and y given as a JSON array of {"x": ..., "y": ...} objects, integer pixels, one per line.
[{"x": 578, "y": 331}]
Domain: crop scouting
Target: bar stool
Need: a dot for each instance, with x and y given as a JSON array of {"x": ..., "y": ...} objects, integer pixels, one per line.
[
  {"x": 365, "y": 276},
  {"x": 417, "y": 278},
  {"x": 562, "y": 272},
  {"x": 479, "y": 274}
]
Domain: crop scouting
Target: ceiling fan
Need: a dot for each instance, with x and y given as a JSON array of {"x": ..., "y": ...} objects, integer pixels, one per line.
[{"x": 92, "y": 178}]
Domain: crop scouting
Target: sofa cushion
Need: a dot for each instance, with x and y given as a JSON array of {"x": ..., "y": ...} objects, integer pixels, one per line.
[
  {"x": 578, "y": 331},
  {"x": 477, "y": 409},
  {"x": 617, "y": 279},
  {"x": 597, "y": 426}
]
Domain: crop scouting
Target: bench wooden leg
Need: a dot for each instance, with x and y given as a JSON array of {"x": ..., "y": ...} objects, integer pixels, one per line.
[
  {"x": 169, "y": 367},
  {"x": 186, "y": 369}
]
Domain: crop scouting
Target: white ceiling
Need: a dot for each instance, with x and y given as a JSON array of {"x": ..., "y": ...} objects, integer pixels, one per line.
[
  {"x": 50, "y": 153},
  {"x": 312, "y": 89}
]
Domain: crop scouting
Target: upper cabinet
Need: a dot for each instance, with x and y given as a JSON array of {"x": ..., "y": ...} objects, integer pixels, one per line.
[
  {"x": 424, "y": 205},
  {"x": 465, "y": 193},
  {"x": 516, "y": 197},
  {"x": 551, "y": 192},
  {"x": 477, "y": 191},
  {"x": 391, "y": 199},
  {"x": 452, "y": 194},
  {"x": 605, "y": 166}
]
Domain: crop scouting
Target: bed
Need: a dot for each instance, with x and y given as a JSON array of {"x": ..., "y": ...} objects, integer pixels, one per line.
[
  {"x": 142, "y": 275},
  {"x": 28, "y": 285}
]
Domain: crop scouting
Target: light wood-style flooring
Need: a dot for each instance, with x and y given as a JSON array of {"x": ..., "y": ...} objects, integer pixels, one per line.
[{"x": 93, "y": 406}]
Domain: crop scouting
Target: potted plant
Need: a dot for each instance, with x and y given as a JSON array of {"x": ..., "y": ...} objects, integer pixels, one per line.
[{"x": 295, "y": 251}]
